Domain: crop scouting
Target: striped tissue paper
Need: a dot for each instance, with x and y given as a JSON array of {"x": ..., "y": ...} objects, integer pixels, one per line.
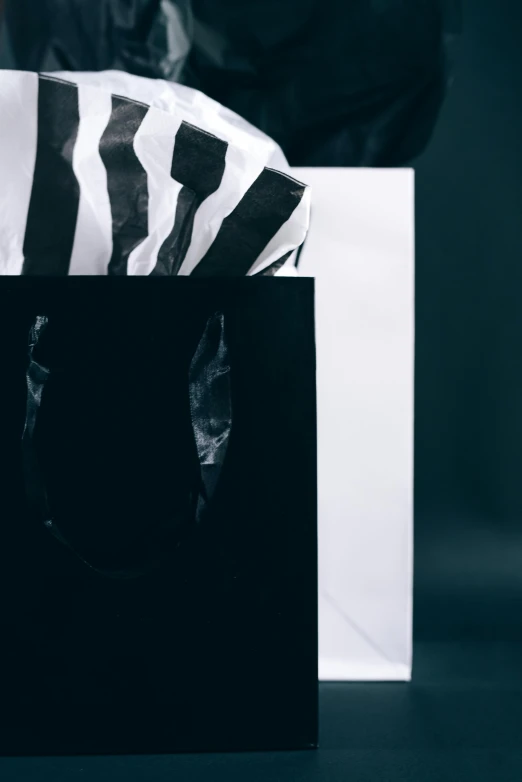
[{"x": 108, "y": 173}]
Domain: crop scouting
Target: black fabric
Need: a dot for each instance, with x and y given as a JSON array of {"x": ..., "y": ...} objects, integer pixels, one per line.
[
  {"x": 245, "y": 232},
  {"x": 336, "y": 83},
  {"x": 126, "y": 181},
  {"x": 136, "y": 36},
  {"x": 198, "y": 163},
  {"x": 339, "y": 83},
  {"x": 55, "y": 195},
  {"x": 216, "y": 648}
]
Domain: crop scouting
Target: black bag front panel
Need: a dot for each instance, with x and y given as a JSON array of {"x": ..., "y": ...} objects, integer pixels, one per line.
[{"x": 215, "y": 645}]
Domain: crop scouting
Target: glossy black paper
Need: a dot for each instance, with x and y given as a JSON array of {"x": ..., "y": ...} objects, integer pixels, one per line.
[
  {"x": 208, "y": 380},
  {"x": 215, "y": 646}
]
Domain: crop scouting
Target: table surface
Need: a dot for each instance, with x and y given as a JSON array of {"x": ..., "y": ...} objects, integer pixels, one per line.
[{"x": 460, "y": 719}]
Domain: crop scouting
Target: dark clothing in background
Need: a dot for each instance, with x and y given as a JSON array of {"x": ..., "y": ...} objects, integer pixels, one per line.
[
  {"x": 146, "y": 37},
  {"x": 339, "y": 83},
  {"x": 356, "y": 83}
]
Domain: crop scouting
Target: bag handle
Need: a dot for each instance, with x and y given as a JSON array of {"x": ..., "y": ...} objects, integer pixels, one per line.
[{"x": 211, "y": 416}]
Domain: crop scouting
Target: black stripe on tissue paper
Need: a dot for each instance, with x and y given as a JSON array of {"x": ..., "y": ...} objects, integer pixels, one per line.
[
  {"x": 126, "y": 181},
  {"x": 198, "y": 163},
  {"x": 55, "y": 194},
  {"x": 246, "y": 231}
]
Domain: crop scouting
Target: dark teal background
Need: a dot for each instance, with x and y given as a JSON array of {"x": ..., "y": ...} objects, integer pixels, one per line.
[{"x": 468, "y": 466}]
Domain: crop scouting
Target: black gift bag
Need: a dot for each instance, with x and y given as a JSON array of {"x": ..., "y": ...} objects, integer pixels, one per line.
[{"x": 158, "y": 515}]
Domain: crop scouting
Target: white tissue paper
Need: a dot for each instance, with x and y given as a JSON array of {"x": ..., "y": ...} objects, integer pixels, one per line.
[{"x": 109, "y": 173}]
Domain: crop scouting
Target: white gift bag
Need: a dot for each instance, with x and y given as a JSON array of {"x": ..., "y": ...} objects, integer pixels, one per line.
[{"x": 361, "y": 250}]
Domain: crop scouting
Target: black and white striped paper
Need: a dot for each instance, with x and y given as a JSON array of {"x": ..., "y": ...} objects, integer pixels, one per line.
[{"x": 108, "y": 173}]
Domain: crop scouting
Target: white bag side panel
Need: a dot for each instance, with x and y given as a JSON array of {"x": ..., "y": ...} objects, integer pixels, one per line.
[{"x": 361, "y": 250}]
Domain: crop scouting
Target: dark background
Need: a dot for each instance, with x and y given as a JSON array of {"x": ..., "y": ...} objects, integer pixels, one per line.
[
  {"x": 461, "y": 718},
  {"x": 468, "y": 482}
]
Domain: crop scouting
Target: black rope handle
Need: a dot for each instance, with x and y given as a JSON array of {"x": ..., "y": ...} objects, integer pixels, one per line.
[{"x": 211, "y": 415}]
